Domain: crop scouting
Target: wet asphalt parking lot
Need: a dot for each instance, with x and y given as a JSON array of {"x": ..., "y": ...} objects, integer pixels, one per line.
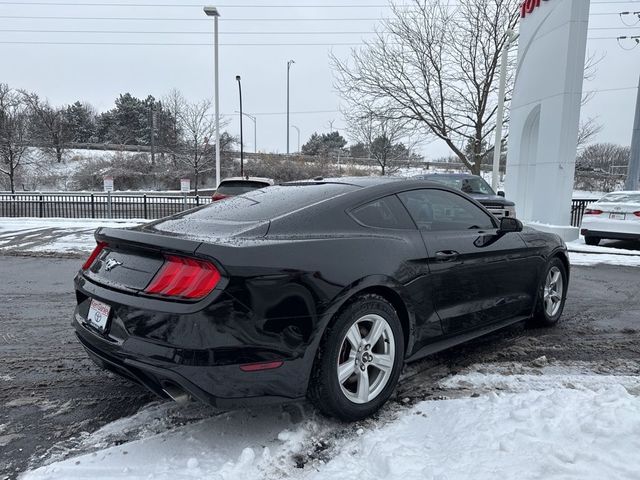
[{"x": 50, "y": 392}]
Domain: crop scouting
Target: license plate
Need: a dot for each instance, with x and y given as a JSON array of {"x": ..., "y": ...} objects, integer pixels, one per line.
[
  {"x": 617, "y": 216},
  {"x": 98, "y": 314}
]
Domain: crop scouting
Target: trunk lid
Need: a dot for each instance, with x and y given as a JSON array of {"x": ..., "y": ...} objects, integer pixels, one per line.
[
  {"x": 611, "y": 207},
  {"x": 131, "y": 259}
]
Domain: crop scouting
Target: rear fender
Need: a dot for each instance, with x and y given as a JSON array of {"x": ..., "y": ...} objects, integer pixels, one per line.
[{"x": 361, "y": 286}]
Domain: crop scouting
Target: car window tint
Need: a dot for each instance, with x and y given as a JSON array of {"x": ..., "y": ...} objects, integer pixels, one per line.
[
  {"x": 384, "y": 212},
  {"x": 238, "y": 187},
  {"x": 439, "y": 210}
]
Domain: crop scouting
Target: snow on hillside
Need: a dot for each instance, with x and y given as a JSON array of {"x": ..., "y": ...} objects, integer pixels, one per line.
[
  {"x": 554, "y": 422},
  {"x": 45, "y": 175}
]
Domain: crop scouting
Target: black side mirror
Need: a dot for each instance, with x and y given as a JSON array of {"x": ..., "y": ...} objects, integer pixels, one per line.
[
  {"x": 510, "y": 224},
  {"x": 501, "y": 194}
]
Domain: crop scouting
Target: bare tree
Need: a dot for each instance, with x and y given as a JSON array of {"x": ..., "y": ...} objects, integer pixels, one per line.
[
  {"x": 438, "y": 66},
  {"x": 604, "y": 158},
  {"x": 48, "y": 124},
  {"x": 587, "y": 131},
  {"x": 590, "y": 128},
  {"x": 174, "y": 102},
  {"x": 198, "y": 129},
  {"x": 13, "y": 133},
  {"x": 381, "y": 136}
]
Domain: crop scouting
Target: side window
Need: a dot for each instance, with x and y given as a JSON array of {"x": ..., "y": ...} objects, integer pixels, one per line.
[
  {"x": 384, "y": 212},
  {"x": 438, "y": 210}
]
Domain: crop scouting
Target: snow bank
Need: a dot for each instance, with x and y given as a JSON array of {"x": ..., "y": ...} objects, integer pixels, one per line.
[
  {"x": 559, "y": 433},
  {"x": 589, "y": 259},
  {"x": 233, "y": 445},
  {"x": 586, "y": 255},
  {"x": 579, "y": 245},
  {"x": 551, "y": 422}
]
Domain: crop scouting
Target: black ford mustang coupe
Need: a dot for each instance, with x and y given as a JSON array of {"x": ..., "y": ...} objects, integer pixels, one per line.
[{"x": 321, "y": 289}]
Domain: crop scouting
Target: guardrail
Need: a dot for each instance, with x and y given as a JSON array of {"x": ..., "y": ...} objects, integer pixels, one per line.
[
  {"x": 124, "y": 206},
  {"x": 96, "y": 205}
]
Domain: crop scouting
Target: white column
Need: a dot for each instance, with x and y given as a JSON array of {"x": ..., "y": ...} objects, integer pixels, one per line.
[{"x": 545, "y": 113}]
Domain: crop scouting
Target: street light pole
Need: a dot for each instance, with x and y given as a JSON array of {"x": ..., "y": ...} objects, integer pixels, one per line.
[
  {"x": 255, "y": 129},
  {"x": 241, "y": 137},
  {"x": 497, "y": 146},
  {"x": 289, "y": 63},
  {"x": 213, "y": 12},
  {"x": 297, "y": 130}
]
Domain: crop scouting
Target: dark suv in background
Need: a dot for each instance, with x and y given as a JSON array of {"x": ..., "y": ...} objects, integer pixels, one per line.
[{"x": 477, "y": 188}]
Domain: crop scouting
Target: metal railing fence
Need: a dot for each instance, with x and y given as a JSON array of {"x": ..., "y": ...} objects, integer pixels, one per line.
[{"x": 96, "y": 205}]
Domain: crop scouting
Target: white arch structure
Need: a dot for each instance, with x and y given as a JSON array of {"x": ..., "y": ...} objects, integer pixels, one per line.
[{"x": 545, "y": 112}]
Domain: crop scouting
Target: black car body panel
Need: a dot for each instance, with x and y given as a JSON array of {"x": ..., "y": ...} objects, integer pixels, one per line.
[{"x": 285, "y": 276}]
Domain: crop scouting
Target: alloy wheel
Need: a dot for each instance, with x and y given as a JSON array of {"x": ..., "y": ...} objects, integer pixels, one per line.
[
  {"x": 366, "y": 359},
  {"x": 553, "y": 290}
]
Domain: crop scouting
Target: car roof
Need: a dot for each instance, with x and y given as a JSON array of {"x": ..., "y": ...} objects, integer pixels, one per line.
[
  {"x": 457, "y": 175},
  {"x": 355, "y": 181},
  {"x": 248, "y": 179},
  {"x": 382, "y": 184}
]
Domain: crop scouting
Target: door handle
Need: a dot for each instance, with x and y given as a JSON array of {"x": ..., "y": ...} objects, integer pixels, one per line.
[{"x": 446, "y": 255}]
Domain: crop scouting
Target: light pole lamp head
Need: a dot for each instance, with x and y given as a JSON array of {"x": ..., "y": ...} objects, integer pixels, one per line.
[
  {"x": 211, "y": 11},
  {"x": 237, "y": 78},
  {"x": 290, "y": 62}
]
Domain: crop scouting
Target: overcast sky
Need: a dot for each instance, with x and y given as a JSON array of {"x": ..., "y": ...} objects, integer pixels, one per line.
[{"x": 98, "y": 73}]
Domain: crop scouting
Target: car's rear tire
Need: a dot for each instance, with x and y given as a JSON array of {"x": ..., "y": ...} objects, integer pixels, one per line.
[
  {"x": 595, "y": 241},
  {"x": 359, "y": 360},
  {"x": 551, "y": 296}
]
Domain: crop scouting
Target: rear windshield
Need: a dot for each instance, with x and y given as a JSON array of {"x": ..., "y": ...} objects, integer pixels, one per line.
[
  {"x": 238, "y": 187},
  {"x": 621, "y": 198},
  {"x": 465, "y": 184},
  {"x": 269, "y": 203}
]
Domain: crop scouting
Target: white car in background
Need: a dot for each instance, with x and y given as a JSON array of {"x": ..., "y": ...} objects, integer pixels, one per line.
[{"x": 615, "y": 216}]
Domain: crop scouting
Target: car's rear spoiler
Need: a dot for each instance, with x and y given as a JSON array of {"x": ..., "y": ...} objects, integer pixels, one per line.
[{"x": 165, "y": 243}]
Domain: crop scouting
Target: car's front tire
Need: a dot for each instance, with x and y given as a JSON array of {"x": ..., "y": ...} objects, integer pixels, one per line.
[
  {"x": 359, "y": 360},
  {"x": 552, "y": 294},
  {"x": 594, "y": 241}
]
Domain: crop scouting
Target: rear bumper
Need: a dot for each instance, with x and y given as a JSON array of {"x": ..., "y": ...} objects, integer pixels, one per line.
[
  {"x": 605, "y": 227},
  {"x": 221, "y": 386},
  {"x": 609, "y": 235}
]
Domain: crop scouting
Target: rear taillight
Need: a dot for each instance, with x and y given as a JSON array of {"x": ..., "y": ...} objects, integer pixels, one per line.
[
  {"x": 94, "y": 255},
  {"x": 184, "y": 278},
  {"x": 637, "y": 214},
  {"x": 218, "y": 196},
  {"x": 592, "y": 211}
]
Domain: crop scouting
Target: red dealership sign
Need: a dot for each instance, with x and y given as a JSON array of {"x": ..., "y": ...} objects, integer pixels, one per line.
[{"x": 528, "y": 6}]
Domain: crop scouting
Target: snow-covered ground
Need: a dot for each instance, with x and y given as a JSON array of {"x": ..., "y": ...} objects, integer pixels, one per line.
[
  {"x": 508, "y": 421},
  {"x": 53, "y": 235},
  {"x": 586, "y": 255}
]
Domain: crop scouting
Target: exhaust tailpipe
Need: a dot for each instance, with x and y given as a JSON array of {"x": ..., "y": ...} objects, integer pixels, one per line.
[{"x": 176, "y": 393}]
